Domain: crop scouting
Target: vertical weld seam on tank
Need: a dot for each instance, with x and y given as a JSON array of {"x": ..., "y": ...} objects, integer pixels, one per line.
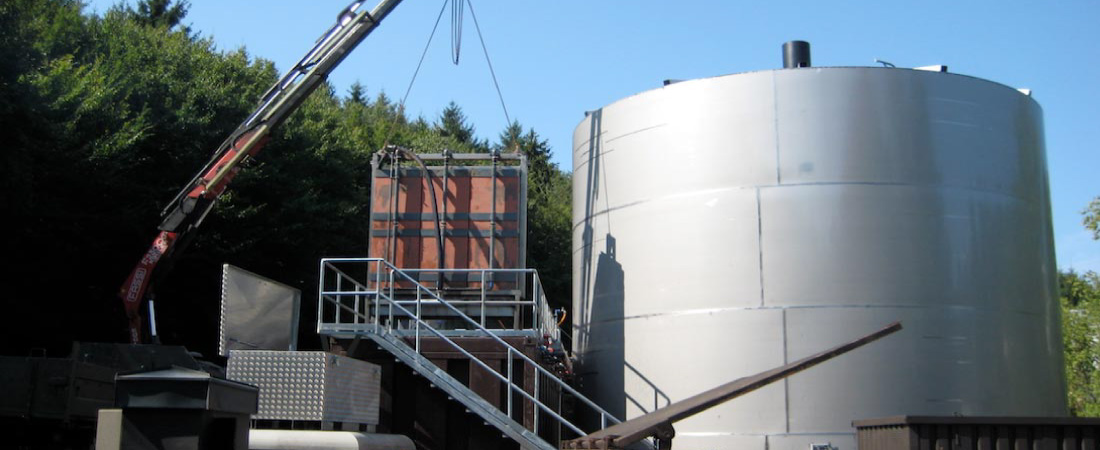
[
  {"x": 760, "y": 243},
  {"x": 775, "y": 125},
  {"x": 786, "y": 381}
]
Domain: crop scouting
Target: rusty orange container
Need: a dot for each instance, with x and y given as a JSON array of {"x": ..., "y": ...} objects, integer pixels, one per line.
[{"x": 479, "y": 205}]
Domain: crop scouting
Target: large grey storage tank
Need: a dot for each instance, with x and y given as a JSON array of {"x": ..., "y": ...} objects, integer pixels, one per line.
[{"x": 727, "y": 225}]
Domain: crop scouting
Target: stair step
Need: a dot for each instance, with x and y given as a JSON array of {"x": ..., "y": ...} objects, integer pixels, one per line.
[
  {"x": 402, "y": 313},
  {"x": 455, "y": 389}
]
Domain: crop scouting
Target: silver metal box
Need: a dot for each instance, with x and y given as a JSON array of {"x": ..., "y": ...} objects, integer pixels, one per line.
[
  {"x": 257, "y": 313},
  {"x": 313, "y": 386}
]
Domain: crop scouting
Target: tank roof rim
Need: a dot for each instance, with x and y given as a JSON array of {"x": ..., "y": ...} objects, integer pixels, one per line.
[{"x": 756, "y": 72}]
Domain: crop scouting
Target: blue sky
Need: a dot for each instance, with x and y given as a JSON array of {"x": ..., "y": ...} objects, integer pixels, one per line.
[{"x": 557, "y": 59}]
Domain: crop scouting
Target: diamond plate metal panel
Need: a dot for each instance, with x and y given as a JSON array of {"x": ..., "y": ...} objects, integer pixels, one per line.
[{"x": 312, "y": 386}]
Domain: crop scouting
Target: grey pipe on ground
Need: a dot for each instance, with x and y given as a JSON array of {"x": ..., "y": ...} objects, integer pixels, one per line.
[{"x": 326, "y": 440}]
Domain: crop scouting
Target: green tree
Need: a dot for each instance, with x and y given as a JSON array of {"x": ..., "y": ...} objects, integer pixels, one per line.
[
  {"x": 548, "y": 212},
  {"x": 1092, "y": 217},
  {"x": 160, "y": 13},
  {"x": 105, "y": 119},
  {"x": 1081, "y": 336},
  {"x": 1080, "y": 295},
  {"x": 454, "y": 124},
  {"x": 357, "y": 93}
]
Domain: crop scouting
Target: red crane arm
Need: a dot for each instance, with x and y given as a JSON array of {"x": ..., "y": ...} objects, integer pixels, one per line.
[
  {"x": 196, "y": 200},
  {"x": 199, "y": 200}
]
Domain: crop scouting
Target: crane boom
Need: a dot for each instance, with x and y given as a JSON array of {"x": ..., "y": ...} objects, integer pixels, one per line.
[{"x": 191, "y": 205}]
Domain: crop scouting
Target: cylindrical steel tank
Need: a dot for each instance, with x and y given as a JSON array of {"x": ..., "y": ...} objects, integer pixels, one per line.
[{"x": 728, "y": 225}]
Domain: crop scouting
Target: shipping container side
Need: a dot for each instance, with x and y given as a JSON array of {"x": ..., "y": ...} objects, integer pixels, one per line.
[{"x": 481, "y": 212}]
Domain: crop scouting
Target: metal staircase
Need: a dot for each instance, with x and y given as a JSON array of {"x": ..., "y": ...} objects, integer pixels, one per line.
[{"x": 371, "y": 298}]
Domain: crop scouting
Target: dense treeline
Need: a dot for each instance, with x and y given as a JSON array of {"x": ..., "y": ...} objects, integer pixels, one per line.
[
  {"x": 1081, "y": 334},
  {"x": 104, "y": 119}
]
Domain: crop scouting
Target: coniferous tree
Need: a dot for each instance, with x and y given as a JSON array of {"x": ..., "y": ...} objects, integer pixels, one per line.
[{"x": 106, "y": 118}]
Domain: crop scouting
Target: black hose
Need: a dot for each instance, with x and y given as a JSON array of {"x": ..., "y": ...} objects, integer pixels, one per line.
[{"x": 435, "y": 208}]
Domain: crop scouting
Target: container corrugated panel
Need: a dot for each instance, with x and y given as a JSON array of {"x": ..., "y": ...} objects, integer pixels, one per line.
[
  {"x": 311, "y": 386},
  {"x": 977, "y": 433},
  {"x": 402, "y": 218}
]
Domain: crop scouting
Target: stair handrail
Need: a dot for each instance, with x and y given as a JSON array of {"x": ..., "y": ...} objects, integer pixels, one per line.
[
  {"x": 512, "y": 386},
  {"x": 421, "y": 363},
  {"x": 382, "y": 263},
  {"x": 341, "y": 275},
  {"x": 546, "y": 323}
]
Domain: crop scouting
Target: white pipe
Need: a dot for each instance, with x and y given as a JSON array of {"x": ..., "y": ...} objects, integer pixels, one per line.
[{"x": 325, "y": 440}]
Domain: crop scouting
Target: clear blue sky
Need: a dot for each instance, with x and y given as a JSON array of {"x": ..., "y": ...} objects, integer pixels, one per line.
[{"x": 557, "y": 59}]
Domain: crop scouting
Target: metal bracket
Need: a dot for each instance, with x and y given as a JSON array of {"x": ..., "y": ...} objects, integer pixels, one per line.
[{"x": 663, "y": 435}]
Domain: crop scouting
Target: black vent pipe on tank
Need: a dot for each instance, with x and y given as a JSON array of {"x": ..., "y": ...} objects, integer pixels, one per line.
[{"x": 796, "y": 54}]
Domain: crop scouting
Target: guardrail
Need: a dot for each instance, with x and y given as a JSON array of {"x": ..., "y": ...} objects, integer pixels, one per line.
[
  {"x": 359, "y": 295},
  {"x": 351, "y": 279}
]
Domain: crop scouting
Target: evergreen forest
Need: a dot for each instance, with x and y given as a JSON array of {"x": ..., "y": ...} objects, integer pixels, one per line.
[{"x": 104, "y": 118}]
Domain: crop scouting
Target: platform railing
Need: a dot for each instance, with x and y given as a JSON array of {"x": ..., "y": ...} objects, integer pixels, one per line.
[
  {"x": 358, "y": 295},
  {"x": 531, "y": 303},
  {"x": 351, "y": 278}
]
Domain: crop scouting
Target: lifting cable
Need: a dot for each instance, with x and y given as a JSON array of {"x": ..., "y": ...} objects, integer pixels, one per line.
[
  {"x": 489, "y": 62},
  {"x": 423, "y": 54},
  {"x": 456, "y": 30},
  {"x": 457, "y": 13},
  {"x": 391, "y": 233}
]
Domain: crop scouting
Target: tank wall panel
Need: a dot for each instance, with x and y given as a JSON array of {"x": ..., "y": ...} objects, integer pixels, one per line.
[
  {"x": 837, "y": 441},
  {"x": 915, "y": 128},
  {"x": 654, "y": 380},
  {"x": 719, "y": 441},
  {"x": 936, "y": 246},
  {"x": 641, "y": 134},
  {"x": 946, "y": 361}
]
